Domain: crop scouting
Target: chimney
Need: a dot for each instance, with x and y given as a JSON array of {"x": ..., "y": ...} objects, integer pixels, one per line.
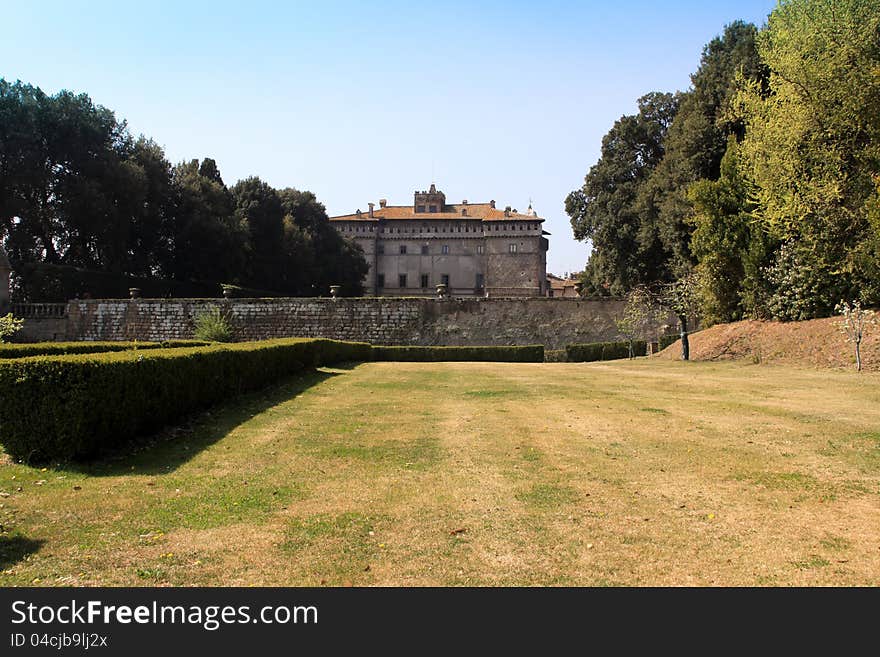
[
  {"x": 464, "y": 212},
  {"x": 371, "y": 209},
  {"x": 358, "y": 213},
  {"x": 383, "y": 202},
  {"x": 464, "y": 202},
  {"x": 507, "y": 211},
  {"x": 492, "y": 204}
]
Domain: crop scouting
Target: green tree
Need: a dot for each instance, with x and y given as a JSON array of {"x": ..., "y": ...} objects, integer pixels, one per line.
[
  {"x": 729, "y": 246},
  {"x": 333, "y": 260},
  {"x": 207, "y": 244},
  {"x": 605, "y": 210},
  {"x": 698, "y": 138},
  {"x": 811, "y": 150}
]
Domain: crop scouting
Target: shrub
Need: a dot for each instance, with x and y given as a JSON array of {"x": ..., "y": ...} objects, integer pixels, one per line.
[
  {"x": 212, "y": 325},
  {"x": 64, "y": 348},
  {"x": 666, "y": 340},
  {"x": 9, "y": 325},
  {"x": 525, "y": 354},
  {"x": 580, "y": 353},
  {"x": 65, "y": 407}
]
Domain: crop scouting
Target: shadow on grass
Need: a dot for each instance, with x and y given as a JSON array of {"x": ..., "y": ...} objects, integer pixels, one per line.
[
  {"x": 15, "y": 548},
  {"x": 167, "y": 450}
]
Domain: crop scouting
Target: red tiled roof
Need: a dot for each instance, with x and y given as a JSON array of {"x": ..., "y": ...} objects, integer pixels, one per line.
[{"x": 482, "y": 211}]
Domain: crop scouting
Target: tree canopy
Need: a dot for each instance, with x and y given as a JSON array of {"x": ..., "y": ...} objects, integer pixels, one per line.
[
  {"x": 766, "y": 182},
  {"x": 77, "y": 189}
]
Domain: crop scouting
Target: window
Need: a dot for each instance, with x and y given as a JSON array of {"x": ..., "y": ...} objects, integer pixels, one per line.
[
  {"x": 432, "y": 208},
  {"x": 381, "y": 280},
  {"x": 380, "y": 249},
  {"x": 444, "y": 278},
  {"x": 424, "y": 250},
  {"x": 479, "y": 281},
  {"x": 401, "y": 280},
  {"x": 481, "y": 249},
  {"x": 444, "y": 249},
  {"x": 403, "y": 250},
  {"x": 512, "y": 248},
  {"x": 424, "y": 280},
  {"x": 420, "y": 208}
]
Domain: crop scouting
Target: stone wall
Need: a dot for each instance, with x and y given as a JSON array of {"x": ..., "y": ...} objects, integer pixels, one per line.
[{"x": 551, "y": 322}]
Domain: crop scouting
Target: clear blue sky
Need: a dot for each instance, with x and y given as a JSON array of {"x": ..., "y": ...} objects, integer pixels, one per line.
[{"x": 356, "y": 101}]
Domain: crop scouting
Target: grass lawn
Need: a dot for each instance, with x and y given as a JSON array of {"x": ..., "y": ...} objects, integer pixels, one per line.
[{"x": 627, "y": 473}]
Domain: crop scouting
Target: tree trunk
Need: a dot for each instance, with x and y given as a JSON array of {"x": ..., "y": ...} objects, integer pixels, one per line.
[
  {"x": 685, "y": 345},
  {"x": 858, "y": 357}
]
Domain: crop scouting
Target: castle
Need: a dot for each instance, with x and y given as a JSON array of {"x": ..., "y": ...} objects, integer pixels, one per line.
[{"x": 474, "y": 249}]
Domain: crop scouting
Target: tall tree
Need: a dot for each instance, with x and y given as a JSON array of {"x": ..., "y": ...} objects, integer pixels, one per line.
[
  {"x": 697, "y": 138},
  {"x": 812, "y": 149},
  {"x": 207, "y": 242},
  {"x": 258, "y": 209},
  {"x": 605, "y": 210},
  {"x": 335, "y": 261}
]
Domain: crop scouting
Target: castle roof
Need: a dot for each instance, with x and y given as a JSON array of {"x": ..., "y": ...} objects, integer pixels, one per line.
[{"x": 478, "y": 211}]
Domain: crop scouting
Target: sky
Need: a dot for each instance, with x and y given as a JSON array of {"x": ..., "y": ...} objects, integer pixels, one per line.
[{"x": 358, "y": 101}]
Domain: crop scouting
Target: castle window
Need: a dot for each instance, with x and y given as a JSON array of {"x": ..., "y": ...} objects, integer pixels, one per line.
[
  {"x": 480, "y": 281},
  {"x": 403, "y": 250},
  {"x": 444, "y": 278},
  {"x": 481, "y": 249},
  {"x": 511, "y": 248},
  {"x": 424, "y": 280},
  {"x": 424, "y": 251},
  {"x": 444, "y": 249},
  {"x": 380, "y": 249},
  {"x": 432, "y": 208},
  {"x": 401, "y": 279},
  {"x": 381, "y": 280},
  {"x": 420, "y": 208}
]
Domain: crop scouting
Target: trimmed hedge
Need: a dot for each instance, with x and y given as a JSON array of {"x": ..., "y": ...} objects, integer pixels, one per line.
[
  {"x": 526, "y": 354},
  {"x": 70, "y": 407},
  {"x": 592, "y": 351},
  {"x": 14, "y": 350}
]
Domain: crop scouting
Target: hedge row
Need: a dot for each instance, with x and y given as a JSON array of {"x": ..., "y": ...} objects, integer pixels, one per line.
[
  {"x": 527, "y": 354},
  {"x": 70, "y": 407},
  {"x": 581, "y": 353},
  {"x": 64, "y": 348}
]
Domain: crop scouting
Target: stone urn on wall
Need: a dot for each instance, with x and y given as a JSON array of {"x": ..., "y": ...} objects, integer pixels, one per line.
[
  {"x": 442, "y": 290},
  {"x": 334, "y": 291}
]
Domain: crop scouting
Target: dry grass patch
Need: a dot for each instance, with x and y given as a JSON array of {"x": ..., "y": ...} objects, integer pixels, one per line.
[{"x": 624, "y": 473}]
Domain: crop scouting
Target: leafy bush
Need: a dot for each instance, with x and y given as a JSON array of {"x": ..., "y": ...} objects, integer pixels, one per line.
[
  {"x": 63, "y": 348},
  {"x": 581, "y": 353},
  {"x": 666, "y": 340},
  {"x": 9, "y": 325},
  {"x": 64, "y": 407},
  {"x": 525, "y": 354},
  {"x": 212, "y": 325}
]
